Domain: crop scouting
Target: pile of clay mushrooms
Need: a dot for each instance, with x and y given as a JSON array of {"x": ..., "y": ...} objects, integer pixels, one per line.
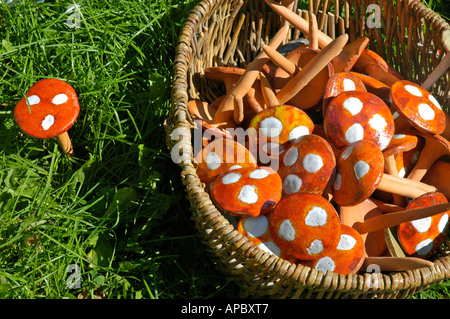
[{"x": 344, "y": 163}]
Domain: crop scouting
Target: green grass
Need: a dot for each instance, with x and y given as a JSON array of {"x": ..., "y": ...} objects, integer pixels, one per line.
[{"x": 116, "y": 211}]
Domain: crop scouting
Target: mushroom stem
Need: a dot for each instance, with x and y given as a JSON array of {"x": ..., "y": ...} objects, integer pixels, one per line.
[
  {"x": 298, "y": 22},
  {"x": 226, "y": 108},
  {"x": 393, "y": 219},
  {"x": 268, "y": 94},
  {"x": 404, "y": 186},
  {"x": 313, "y": 31},
  {"x": 311, "y": 69},
  {"x": 280, "y": 60},
  {"x": 65, "y": 143},
  {"x": 396, "y": 263}
]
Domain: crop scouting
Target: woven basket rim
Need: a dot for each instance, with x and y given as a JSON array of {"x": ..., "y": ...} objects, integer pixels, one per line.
[{"x": 179, "y": 117}]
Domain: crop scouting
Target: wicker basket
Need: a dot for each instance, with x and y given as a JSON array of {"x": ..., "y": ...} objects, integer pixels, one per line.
[{"x": 214, "y": 35}]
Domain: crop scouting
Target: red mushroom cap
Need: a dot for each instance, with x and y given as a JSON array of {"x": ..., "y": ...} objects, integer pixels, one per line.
[
  {"x": 50, "y": 108},
  {"x": 418, "y": 107},
  {"x": 353, "y": 116},
  {"x": 307, "y": 165},
  {"x": 305, "y": 226},
  {"x": 256, "y": 229},
  {"x": 248, "y": 191},
  {"x": 421, "y": 237},
  {"x": 347, "y": 258},
  {"x": 219, "y": 156},
  {"x": 359, "y": 170}
]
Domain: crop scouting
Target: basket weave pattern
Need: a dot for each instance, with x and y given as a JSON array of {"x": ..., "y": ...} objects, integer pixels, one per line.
[{"x": 230, "y": 33}]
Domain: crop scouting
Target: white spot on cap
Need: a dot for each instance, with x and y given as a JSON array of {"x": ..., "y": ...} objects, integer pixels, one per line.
[
  {"x": 361, "y": 168},
  {"x": 248, "y": 194},
  {"x": 312, "y": 163},
  {"x": 426, "y": 112},
  {"x": 443, "y": 222},
  {"x": 255, "y": 226},
  {"x": 378, "y": 123},
  {"x": 213, "y": 161},
  {"x": 270, "y": 247},
  {"x": 60, "y": 99},
  {"x": 337, "y": 182},
  {"x": 292, "y": 184},
  {"x": 434, "y": 101},
  {"x": 315, "y": 248},
  {"x": 353, "y": 105},
  {"x": 422, "y": 225},
  {"x": 346, "y": 242},
  {"x": 399, "y": 136},
  {"x": 354, "y": 133},
  {"x": 33, "y": 99},
  {"x": 286, "y": 230},
  {"x": 259, "y": 173},
  {"x": 298, "y": 132},
  {"x": 234, "y": 167},
  {"x": 271, "y": 127},
  {"x": 395, "y": 115},
  {"x": 424, "y": 247},
  {"x": 317, "y": 216},
  {"x": 48, "y": 121},
  {"x": 325, "y": 264},
  {"x": 347, "y": 152},
  {"x": 349, "y": 85},
  {"x": 413, "y": 90},
  {"x": 231, "y": 178},
  {"x": 402, "y": 172},
  {"x": 291, "y": 156}
]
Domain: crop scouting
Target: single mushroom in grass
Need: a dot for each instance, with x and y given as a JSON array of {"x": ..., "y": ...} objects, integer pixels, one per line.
[
  {"x": 219, "y": 156},
  {"x": 305, "y": 226},
  {"x": 435, "y": 147},
  {"x": 354, "y": 115},
  {"x": 360, "y": 170},
  {"x": 347, "y": 258},
  {"x": 49, "y": 109},
  {"x": 248, "y": 191},
  {"x": 307, "y": 165},
  {"x": 256, "y": 229},
  {"x": 338, "y": 83},
  {"x": 418, "y": 107},
  {"x": 422, "y": 237}
]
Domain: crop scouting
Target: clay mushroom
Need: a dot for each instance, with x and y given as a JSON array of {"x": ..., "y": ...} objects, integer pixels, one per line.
[
  {"x": 374, "y": 86},
  {"x": 347, "y": 258},
  {"x": 220, "y": 156},
  {"x": 307, "y": 165},
  {"x": 439, "y": 176},
  {"x": 345, "y": 61},
  {"x": 418, "y": 107},
  {"x": 355, "y": 115},
  {"x": 422, "y": 237},
  {"x": 49, "y": 109},
  {"x": 360, "y": 170},
  {"x": 256, "y": 229},
  {"x": 246, "y": 191},
  {"x": 305, "y": 226},
  {"x": 338, "y": 83}
]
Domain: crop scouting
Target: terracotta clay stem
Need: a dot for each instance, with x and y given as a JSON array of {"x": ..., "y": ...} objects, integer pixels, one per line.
[
  {"x": 65, "y": 143},
  {"x": 403, "y": 186},
  {"x": 226, "y": 108},
  {"x": 396, "y": 263},
  {"x": 393, "y": 219},
  {"x": 267, "y": 91},
  {"x": 311, "y": 69},
  {"x": 238, "y": 114},
  {"x": 280, "y": 60},
  {"x": 298, "y": 22},
  {"x": 391, "y": 169},
  {"x": 313, "y": 32}
]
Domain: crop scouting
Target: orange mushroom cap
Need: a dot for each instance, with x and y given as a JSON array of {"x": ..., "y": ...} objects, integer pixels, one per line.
[
  {"x": 347, "y": 258},
  {"x": 308, "y": 164},
  {"x": 49, "y": 109},
  {"x": 354, "y": 115},
  {"x": 418, "y": 107},
  {"x": 248, "y": 191},
  {"x": 421, "y": 237},
  {"x": 305, "y": 226}
]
